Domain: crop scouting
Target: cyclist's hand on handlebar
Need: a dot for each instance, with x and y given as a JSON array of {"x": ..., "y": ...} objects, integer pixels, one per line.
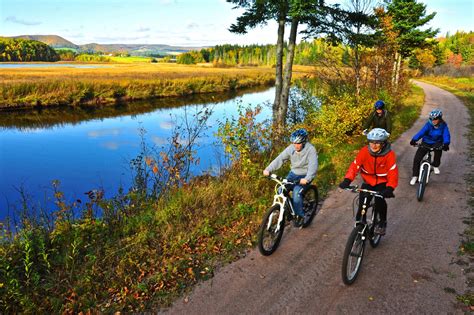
[
  {"x": 413, "y": 142},
  {"x": 266, "y": 173},
  {"x": 303, "y": 181},
  {"x": 345, "y": 183},
  {"x": 388, "y": 192},
  {"x": 445, "y": 147}
]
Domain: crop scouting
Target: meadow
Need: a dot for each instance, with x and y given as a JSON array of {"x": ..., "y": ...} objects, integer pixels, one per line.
[{"x": 117, "y": 82}]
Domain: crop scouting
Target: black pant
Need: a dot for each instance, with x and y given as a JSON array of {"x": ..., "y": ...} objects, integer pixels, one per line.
[
  {"x": 420, "y": 153},
  {"x": 380, "y": 203}
]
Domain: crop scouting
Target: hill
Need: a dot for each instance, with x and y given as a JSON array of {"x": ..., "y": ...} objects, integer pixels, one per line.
[{"x": 58, "y": 42}]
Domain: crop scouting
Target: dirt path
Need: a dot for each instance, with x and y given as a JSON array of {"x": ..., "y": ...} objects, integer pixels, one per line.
[{"x": 414, "y": 270}]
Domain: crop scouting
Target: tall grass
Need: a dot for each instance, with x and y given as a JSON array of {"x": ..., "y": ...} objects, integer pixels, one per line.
[{"x": 120, "y": 82}]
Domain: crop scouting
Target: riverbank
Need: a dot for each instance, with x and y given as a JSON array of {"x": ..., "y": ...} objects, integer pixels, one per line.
[
  {"x": 56, "y": 86},
  {"x": 144, "y": 252}
]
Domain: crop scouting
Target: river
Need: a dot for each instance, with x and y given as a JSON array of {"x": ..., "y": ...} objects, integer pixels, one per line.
[{"x": 92, "y": 148}]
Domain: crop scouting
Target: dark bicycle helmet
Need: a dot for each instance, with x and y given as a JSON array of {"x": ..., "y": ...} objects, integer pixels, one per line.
[
  {"x": 378, "y": 135},
  {"x": 436, "y": 114},
  {"x": 379, "y": 104},
  {"x": 299, "y": 136}
]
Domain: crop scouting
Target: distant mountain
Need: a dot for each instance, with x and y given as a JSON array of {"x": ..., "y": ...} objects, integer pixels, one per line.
[
  {"x": 58, "y": 42},
  {"x": 54, "y": 41}
]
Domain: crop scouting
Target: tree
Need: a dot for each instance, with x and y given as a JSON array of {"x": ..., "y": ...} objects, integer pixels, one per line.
[
  {"x": 293, "y": 12},
  {"x": 408, "y": 16}
]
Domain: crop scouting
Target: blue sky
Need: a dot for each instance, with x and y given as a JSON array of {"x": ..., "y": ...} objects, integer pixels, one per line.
[{"x": 172, "y": 22}]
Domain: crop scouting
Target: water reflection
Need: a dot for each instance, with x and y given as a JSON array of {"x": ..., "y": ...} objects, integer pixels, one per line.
[
  {"x": 88, "y": 148},
  {"x": 41, "y": 118}
]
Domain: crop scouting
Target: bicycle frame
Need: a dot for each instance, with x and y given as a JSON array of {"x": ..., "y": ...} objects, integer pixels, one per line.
[
  {"x": 426, "y": 161},
  {"x": 281, "y": 197}
]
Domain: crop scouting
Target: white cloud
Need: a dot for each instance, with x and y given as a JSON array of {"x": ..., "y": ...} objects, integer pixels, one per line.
[{"x": 15, "y": 20}]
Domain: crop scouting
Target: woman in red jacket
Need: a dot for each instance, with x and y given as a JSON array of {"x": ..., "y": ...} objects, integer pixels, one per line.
[{"x": 378, "y": 167}]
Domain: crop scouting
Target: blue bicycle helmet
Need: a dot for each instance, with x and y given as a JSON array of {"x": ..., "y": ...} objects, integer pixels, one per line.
[
  {"x": 436, "y": 114},
  {"x": 377, "y": 135},
  {"x": 379, "y": 104},
  {"x": 299, "y": 136}
]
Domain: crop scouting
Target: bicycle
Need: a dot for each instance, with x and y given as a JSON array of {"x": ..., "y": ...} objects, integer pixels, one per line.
[
  {"x": 425, "y": 170},
  {"x": 282, "y": 210},
  {"x": 363, "y": 230}
]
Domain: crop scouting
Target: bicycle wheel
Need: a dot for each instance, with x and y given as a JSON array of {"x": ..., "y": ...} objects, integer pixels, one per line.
[
  {"x": 353, "y": 254},
  {"x": 310, "y": 205},
  {"x": 374, "y": 239},
  {"x": 270, "y": 232},
  {"x": 422, "y": 185}
]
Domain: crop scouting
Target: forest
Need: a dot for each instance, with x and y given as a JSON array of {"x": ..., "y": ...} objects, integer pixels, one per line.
[{"x": 23, "y": 50}]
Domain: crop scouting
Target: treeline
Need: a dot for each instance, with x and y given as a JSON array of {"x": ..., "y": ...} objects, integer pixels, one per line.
[
  {"x": 456, "y": 49},
  {"x": 25, "y": 50}
]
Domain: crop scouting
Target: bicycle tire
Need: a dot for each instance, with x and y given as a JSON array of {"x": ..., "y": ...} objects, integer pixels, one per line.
[
  {"x": 353, "y": 255},
  {"x": 374, "y": 239},
  {"x": 310, "y": 205},
  {"x": 422, "y": 185},
  {"x": 268, "y": 236}
]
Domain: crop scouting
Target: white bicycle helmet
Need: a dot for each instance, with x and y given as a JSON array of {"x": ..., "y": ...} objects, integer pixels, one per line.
[{"x": 377, "y": 135}]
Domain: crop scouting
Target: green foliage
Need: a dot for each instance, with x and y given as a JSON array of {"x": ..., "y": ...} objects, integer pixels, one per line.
[
  {"x": 92, "y": 58},
  {"x": 339, "y": 118},
  {"x": 243, "y": 138},
  {"x": 25, "y": 50}
]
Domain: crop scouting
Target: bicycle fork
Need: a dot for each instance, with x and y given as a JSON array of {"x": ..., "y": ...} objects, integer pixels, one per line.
[
  {"x": 281, "y": 201},
  {"x": 428, "y": 164}
]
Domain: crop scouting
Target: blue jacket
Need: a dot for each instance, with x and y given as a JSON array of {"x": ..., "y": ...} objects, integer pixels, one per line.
[{"x": 431, "y": 135}]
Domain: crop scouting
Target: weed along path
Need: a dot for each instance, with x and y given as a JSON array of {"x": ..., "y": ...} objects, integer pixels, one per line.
[{"x": 415, "y": 269}]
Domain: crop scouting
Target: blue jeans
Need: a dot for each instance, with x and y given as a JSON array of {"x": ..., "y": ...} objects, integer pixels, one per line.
[{"x": 297, "y": 191}]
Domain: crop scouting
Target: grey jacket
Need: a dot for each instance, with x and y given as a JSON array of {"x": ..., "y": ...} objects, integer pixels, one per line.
[{"x": 304, "y": 162}]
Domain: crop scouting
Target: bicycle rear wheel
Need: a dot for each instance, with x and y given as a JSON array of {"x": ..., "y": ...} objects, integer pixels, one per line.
[
  {"x": 270, "y": 232},
  {"x": 422, "y": 185},
  {"x": 353, "y": 255},
  {"x": 310, "y": 205}
]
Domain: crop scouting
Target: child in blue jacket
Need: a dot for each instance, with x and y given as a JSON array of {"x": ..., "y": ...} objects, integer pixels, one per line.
[{"x": 434, "y": 134}]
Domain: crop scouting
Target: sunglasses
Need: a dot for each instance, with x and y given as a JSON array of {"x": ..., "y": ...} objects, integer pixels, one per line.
[{"x": 375, "y": 142}]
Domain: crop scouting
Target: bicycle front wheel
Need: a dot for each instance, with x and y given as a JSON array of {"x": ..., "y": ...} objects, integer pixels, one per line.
[
  {"x": 422, "y": 185},
  {"x": 271, "y": 231},
  {"x": 374, "y": 239},
  {"x": 353, "y": 255},
  {"x": 310, "y": 205}
]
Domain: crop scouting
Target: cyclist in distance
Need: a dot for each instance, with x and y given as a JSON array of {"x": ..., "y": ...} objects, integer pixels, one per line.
[
  {"x": 304, "y": 165},
  {"x": 379, "y": 118},
  {"x": 434, "y": 134},
  {"x": 378, "y": 167}
]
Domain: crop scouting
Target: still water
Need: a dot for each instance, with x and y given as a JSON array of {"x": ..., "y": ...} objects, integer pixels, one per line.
[
  {"x": 91, "y": 149},
  {"x": 19, "y": 65}
]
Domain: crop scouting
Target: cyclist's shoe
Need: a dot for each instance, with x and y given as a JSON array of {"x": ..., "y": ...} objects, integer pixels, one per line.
[
  {"x": 298, "y": 222},
  {"x": 380, "y": 229},
  {"x": 436, "y": 170},
  {"x": 413, "y": 180}
]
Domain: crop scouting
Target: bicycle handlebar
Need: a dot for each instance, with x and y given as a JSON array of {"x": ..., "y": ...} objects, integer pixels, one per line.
[
  {"x": 423, "y": 145},
  {"x": 279, "y": 180},
  {"x": 356, "y": 189}
]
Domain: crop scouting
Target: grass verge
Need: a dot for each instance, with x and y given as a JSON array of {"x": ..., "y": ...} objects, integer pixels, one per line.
[{"x": 464, "y": 89}]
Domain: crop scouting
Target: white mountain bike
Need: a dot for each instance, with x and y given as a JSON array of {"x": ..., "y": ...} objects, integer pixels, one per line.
[
  {"x": 425, "y": 170},
  {"x": 273, "y": 223}
]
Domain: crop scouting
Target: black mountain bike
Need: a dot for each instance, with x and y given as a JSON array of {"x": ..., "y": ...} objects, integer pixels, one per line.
[
  {"x": 273, "y": 223},
  {"x": 363, "y": 230},
  {"x": 425, "y": 170}
]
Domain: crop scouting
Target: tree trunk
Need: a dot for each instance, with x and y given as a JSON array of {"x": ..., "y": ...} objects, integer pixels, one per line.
[
  {"x": 287, "y": 74},
  {"x": 279, "y": 71}
]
